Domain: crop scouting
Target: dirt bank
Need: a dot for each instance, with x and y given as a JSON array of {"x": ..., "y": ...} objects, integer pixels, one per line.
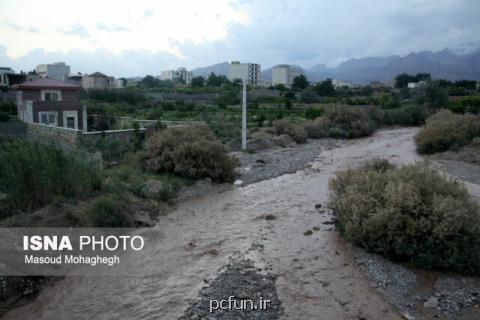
[{"x": 278, "y": 225}]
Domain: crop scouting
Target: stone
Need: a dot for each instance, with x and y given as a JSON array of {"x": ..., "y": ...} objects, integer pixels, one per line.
[
  {"x": 308, "y": 232},
  {"x": 432, "y": 302}
]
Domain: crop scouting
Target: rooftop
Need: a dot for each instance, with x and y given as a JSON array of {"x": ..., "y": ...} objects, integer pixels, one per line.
[{"x": 46, "y": 83}]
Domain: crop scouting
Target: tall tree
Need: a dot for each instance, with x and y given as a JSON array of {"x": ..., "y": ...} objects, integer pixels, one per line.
[{"x": 300, "y": 82}]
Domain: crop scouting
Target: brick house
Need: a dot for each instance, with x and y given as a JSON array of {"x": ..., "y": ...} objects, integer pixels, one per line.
[{"x": 50, "y": 102}]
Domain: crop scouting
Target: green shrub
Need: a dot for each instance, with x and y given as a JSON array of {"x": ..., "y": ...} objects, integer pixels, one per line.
[
  {"x": 106, "y": 212},
  {"x": 313, "y": 113},
  {"x": 445, "y": 131},
  {"x": 192, "y": 152},
  {"x": 33, "y": 174},
  {"x": 317, "y": 129},
  {"x": 349, "y": 122},
  {"x": 408, "y": 214},
  {"x": 297, "y": 133},
  {"x": 405, "y": 116}
]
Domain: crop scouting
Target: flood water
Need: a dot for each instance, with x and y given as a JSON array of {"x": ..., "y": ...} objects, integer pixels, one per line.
[{"x": 316, "y": 279}]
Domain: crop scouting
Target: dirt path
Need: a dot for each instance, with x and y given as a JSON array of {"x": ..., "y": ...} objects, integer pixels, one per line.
[{"x": 273, "y": 224}]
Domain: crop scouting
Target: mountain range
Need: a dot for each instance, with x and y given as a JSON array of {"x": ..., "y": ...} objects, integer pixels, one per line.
[{"x": 446, "y": 64}]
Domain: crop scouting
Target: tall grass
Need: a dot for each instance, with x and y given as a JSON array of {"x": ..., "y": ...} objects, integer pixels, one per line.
[{"x": 33, "y": 174}]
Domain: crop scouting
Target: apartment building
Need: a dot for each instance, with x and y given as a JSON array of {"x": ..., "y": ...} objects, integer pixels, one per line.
[
  {"x": 50, "y": 102},
  {"x": 284, "y": 74},
  {"x": 97, "y": 80},
  {"x": 181, "y": 74},
  {"x": 58, "y": 71},
  {"x": 248, "y": 71}
]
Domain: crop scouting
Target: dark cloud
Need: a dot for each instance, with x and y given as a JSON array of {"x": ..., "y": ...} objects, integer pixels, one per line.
[{"x": 305, "y": 33}]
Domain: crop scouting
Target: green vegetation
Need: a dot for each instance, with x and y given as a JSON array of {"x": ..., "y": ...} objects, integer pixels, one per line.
[
  {"x": 296, "y": 132},
  {"x": 108, "y": 212},
  {"x": 33, "y": 174},
  {"x": 7, "y": 109},
  {"x": 191, "y": 152},
  {"x": 408, "y": 214},
  {"x": 446, "y": 131}
]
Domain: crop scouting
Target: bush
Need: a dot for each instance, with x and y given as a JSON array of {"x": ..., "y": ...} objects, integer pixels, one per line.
[
  {"x": 317, "y": 129},
  {"x": 405, "y": 116},
  {"x": 312, "y": 113},
  {"x": 192, "y": 152},
  {"x": 349, "y": 122},
  {"x": 408, "y": 214},
  {"x": 445, "y": 131},
  {"x": 107, "y": 213},
  {"x": 297, "y": 133},
  {"x": 33, "y": 174}
]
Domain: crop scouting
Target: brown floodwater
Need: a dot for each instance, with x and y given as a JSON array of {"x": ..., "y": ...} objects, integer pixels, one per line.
[{"x": 316, "y": 279}]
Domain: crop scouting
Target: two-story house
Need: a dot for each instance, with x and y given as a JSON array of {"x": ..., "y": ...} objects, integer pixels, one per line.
[{"x": 50, "y": 102}]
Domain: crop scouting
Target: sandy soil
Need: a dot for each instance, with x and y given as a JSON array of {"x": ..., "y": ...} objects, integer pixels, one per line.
[{"x": 276, "y": 224}]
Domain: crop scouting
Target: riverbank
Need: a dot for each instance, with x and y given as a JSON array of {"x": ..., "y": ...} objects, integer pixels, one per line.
[{"x": 279, "y": 225}]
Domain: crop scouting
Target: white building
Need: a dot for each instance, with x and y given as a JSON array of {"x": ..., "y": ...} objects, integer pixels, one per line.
[
  {"x": 248, "y": 71},
  {"x": 58, "y": 71},
  {"x": 337, "y": 84},
  {"x": 284, "y": 74},
  {"x": 181, "y": 74},
  {"x": 413, "y": 85}
]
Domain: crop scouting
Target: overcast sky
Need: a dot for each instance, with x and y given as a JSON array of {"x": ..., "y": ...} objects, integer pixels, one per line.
[{"x": 135, "y": 38}]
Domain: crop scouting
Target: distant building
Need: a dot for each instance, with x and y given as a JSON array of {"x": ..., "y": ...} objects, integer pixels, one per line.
[
  {"x": 4, "y": 75},
  {"x": 179, "y": 75},
  {"x": 50, "y": 102},
  {"x": 97, "y": 80},
  {"x": 76, "y": 80},
  {"x": 248, "y": 71},
  {"x": 341, "y": 84},
  {"x": 58, "y": 71},
  {"x": 119, "y": 83},
  {"x": 413, "y": 85},
  {"x": 8, "y": 77},
  {"x": 284, "y": 74}
]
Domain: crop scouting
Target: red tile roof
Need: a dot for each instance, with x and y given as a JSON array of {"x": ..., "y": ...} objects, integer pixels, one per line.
[{"x": 45, "y": 83}]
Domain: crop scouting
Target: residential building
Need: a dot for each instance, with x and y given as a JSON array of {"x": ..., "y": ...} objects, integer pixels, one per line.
[
  {"x": 51, "y": 102},
  {"x": 248, "y": 71},
  {"x": 58, "y": 71},
  {"x": 76, "y": 80},
  {"x": 284, "y": 74},
  {"x": 8, "y": 77},
  {"x": 119, "y": 83},
  {"x": 179, "y": 75},
  {"x": 413, "y": 85},
  {"x": 341, "y": 84},
  {"x": 97, "y": 80},
  {"x": 4, "y": 72}
]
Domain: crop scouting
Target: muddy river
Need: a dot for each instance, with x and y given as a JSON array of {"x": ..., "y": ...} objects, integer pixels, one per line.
[{"x": 315, "y": 278}]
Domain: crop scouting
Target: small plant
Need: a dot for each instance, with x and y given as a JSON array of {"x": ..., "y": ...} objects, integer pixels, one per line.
[{"x": 408, "y": 214}]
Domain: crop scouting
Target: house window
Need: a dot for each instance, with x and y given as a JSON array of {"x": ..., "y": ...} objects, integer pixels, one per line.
[
  {"x": 71, "y": 122},
  {"x": 51, "y": 96},
  {"x": 48, "y": 118}
]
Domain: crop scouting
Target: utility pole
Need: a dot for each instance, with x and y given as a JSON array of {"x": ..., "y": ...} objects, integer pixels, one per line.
[{"x": 244, "y": 116}]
